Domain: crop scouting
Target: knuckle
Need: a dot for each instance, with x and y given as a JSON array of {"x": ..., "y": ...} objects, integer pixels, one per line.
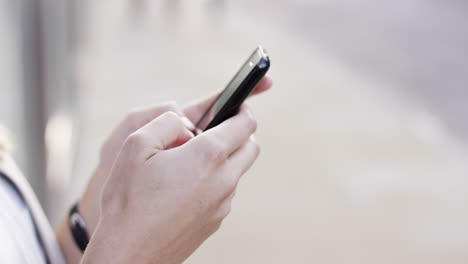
[
  {"x": 251, "y": 123},
  {"x": 170, "y": 119},
  {"x": 171, "y": 106},
  {"x": 215, "y": 151},
  {"x": 229, "y": 186},
  {"x": 133, "y": 117},
  {"x": 215, "y": 156},
  {"x": 256, "y": 148},
  {"x": 171, "y": 116},
  {"x": 224, "y": 211},
  {"x": 136, "y": 140},
  {"x": 133, "y": 112}
]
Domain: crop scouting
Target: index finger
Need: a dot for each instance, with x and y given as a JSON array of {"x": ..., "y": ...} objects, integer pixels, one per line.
[
  {"x": 224, "y": 139},
  {"x": 194, "y": 111}
]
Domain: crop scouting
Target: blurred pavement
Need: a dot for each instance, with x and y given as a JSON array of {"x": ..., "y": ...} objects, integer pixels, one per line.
[{"x": 359, "y": 163}]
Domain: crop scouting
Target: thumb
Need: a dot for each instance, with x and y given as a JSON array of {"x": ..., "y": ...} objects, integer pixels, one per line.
[{"x": 164, "y": 132}]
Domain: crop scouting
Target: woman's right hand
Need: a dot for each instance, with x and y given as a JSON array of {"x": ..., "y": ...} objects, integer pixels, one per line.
[{"x": 160, "y": 203}]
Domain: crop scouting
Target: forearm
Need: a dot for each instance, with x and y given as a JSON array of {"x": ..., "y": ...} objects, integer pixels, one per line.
[
  {"x": 110, "y": 244},
  {"x": 103, "y": 246},
  {"x": 69, "y": 249},
  {"x": 100, "y": 250},
  {"x": 87, "y": 209}
]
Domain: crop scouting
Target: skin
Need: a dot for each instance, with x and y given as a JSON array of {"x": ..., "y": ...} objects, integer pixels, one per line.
[{"x": 139, "y": 176}]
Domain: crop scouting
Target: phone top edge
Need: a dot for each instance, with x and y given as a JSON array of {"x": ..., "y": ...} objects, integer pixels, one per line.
[
  {"x": 241, "y": 93},
  {"x": 238, "y": 97},
  {"x": 264, "y": 63},
  {"x": 260, "y": 58},
  {"x": 245, "y": 81}
]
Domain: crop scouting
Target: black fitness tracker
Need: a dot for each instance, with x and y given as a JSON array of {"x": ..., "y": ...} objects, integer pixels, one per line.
[{"x": 78, "y": 228}]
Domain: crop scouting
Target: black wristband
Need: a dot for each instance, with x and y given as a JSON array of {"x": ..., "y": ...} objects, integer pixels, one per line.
[{"x": 78, "y": 228}]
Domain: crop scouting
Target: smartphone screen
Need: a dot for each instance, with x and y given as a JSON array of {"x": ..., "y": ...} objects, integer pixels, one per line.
[{"x": 242, "y": 84}]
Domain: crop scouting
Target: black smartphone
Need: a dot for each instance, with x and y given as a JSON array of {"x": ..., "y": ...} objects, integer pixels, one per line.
[{"x": 238, "y": 89}]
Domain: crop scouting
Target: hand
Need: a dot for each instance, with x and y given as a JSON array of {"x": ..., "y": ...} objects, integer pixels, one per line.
[
  {"x": 160, "y": 203},
  {"x": 89, "y": 203}
]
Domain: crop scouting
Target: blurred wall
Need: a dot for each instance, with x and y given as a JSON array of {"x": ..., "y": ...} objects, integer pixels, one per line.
[
  {"x": 21, "y": 90},
  {"x": 38, "y": 92}
]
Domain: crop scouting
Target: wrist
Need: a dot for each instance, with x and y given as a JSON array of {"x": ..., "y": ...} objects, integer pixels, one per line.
[
  {"x": 90, "y": 213},
  {"x": 66, "y": 242},
  {"x": 78, "y": 228},
  {"x": 115, "y": 239},
  {"x": 107, "y": 243},
  {"x": 88, "y": 205},
  {"x": 98, "y": 251}
]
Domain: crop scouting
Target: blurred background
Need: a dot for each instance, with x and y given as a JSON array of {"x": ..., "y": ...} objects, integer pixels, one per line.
[{"x": 364, "y": 135}]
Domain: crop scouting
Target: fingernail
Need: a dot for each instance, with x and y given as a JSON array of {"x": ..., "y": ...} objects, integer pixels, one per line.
[{"x": 187, "y": 123}]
